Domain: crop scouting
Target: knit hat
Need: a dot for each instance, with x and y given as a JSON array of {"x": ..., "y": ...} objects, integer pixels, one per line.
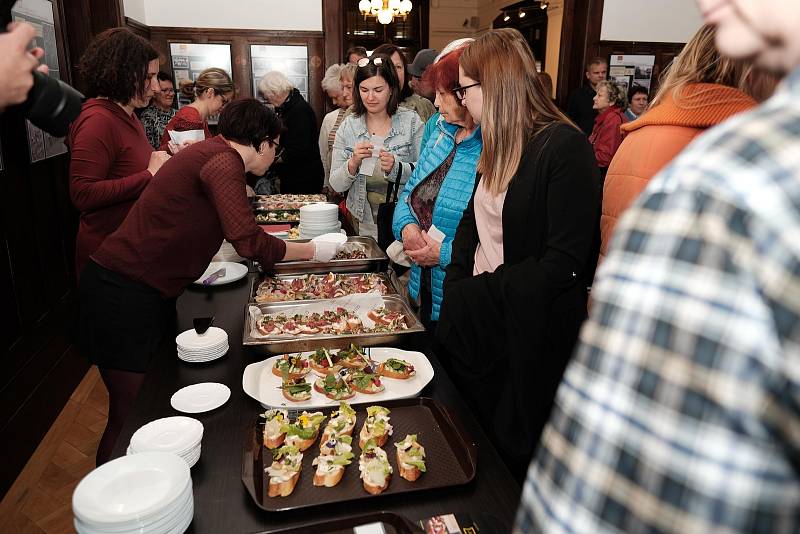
[{"x": 422, "y": 61}]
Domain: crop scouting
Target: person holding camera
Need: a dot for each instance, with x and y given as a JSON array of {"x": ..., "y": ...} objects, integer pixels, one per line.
[
  {"x": 17, "y": 64},
  {"x": 111, "y": 160}
]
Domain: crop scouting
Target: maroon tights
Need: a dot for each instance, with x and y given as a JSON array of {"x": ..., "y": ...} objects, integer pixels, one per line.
[{"x": 123, "y": 388}]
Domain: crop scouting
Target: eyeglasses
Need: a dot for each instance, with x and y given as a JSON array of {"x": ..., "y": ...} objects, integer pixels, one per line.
[
  {"x": 461, "y": 92},
  {"x": 364, "y": 61},
  {"x": 225, "y": 99},
  {"x": 278, "y": 148}
]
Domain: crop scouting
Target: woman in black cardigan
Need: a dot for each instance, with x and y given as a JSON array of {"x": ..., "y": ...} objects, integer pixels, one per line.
[
  {"x": 512, "y": 311},
  {"x": 300, "y": 165}
]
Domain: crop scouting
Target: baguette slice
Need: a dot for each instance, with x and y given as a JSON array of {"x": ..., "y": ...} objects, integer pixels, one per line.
[
  {"x": 329, "y": 479},
  {"x": 387, "y": 371},
  {"x": 302, "y": 444},
  {"x": 283, "y": 489},
  {"x": 375, "y": 468},
  {"x": 375, "y": 490},
  {"x": 410, "y": 452}
]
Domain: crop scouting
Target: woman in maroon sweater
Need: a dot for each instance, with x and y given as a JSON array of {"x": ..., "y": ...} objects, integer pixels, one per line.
[
  {"x": 128, "y": 288},
  {"x": 610, "y": 102},
  {"x": 111, "y": 160}
]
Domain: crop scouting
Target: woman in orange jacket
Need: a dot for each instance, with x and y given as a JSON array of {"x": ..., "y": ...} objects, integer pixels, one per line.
[{"x": 698, "y": 91}]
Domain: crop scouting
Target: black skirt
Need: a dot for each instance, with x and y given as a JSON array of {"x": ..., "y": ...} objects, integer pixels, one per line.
[{"x": 121, "y": 321}]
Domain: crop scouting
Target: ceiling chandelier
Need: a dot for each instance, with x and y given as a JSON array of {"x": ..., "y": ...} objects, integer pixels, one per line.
[{"x": 385, "y": 10}]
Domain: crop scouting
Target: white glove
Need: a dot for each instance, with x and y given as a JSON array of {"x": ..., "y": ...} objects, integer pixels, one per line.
[{"x": 324, "y": 251}]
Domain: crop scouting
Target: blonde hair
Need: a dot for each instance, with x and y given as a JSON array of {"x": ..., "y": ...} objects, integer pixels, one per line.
[
  {"x": 216, "y": 79},
  {"x": 616, "y": 95},
  {"x": 515, "y": 106},
  {"x": 701, "y": 62}
]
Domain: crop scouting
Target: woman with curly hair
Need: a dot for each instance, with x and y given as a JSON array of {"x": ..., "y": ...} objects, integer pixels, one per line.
[
  {"x": 111, "y": 160},
  {"x": 610, "y": 102},
  {"x": 209, "y": 93}
]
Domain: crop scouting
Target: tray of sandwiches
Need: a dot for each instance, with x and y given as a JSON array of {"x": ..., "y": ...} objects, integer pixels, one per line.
[
  {"x": 389, "y": 522},
  {"x": 296, "y": 326},
  {"x": 265, "y": 216},
  {"x": 285, "y": 287},
  {"x": 360, "y": 254},
  {"x": 295, "y": 459},
  {"x": 285, "y": 202},
  {"x": 323, "y": 378}
]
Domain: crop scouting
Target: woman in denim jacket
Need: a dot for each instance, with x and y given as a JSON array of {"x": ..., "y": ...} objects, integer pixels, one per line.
[{"x": 376, "y": 113}]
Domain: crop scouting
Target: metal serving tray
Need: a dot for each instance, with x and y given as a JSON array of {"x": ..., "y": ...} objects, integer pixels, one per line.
[
  {"x": 376, "y": 261},
  {"x": 451, "y": 458},
  {"x": 389, "y": 279},
  {"x": 300, "y": 343}
]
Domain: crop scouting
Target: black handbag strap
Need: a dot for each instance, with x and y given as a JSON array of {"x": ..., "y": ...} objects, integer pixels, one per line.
[{"x": 393, "y": 187}]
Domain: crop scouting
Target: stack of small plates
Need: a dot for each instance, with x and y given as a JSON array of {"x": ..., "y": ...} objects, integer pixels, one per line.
[
  {"x": 205, "y": 347},
  {"x": 179, "y": 435},
  {"x": 318, "y": 219},
  {"x": 148, "y": 493}
]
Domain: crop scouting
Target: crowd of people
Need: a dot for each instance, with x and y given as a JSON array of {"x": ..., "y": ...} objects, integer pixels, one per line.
[{"x": 673, "y": 407}]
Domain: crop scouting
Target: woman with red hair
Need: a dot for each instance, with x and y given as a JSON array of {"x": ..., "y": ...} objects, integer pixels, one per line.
[{"x": 440, "y": 187}]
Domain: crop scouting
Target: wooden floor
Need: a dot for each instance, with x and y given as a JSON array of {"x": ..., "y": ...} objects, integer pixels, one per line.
[{"x": 41, "y": 498}]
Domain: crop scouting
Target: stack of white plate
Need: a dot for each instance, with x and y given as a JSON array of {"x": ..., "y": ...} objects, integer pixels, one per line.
[
  {"x": 318, "y": 219},
  {"x": 149, "y": 493},
  {"x": 179, "y": 435},
  {"x": 205, "y": 347}
]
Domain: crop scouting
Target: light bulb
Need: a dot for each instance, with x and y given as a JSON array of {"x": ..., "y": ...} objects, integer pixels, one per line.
[
  {"x": 377, "y": 5},
  {"x": 385, "y": 16},
  {"x": 521, "y": 14},
  {"x": 363, "y": 6},
  {"x": 405, "y": 6},
  {"x": 544, "y": 5},
  {"x": 506, "y": 18},
  {"x": 394, "y": 5}
]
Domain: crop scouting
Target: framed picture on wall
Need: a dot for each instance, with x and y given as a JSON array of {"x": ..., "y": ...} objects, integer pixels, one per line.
[
  {"x": 190, "y": 59},
  {"x": 39, "y": 14},
  {"x": 291, "y": 60}
]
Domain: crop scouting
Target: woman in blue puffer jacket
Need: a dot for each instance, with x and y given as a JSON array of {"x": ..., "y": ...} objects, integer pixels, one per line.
[{"x": 440, "y": 187}]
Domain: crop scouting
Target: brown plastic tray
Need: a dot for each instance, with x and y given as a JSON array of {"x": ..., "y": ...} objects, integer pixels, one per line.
[
  {"x": 389, "y": 279},
  {"x": 451, "y": 458},
  {"x": 391, "y": 523}
]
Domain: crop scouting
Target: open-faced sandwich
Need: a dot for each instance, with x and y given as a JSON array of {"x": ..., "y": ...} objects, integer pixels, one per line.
[
  {"x": 284, "y": 471},
  {"x": 376, "y": 427},
  {"x": 323, "y": 362},
  {"x": 273, "y": 433},
  {"x": 396, "y": 368},
  {"x": 304, "y": 431},
  {"x": 410, "y": 458},
  {"x": 341, "y": 422},
  {"x": 375, "y": 468},
  {"x": 386, "y": 319},
  {"x": 335, "y": 444},
  {"x": 296, "y": 389},
  {"x": 354, "y": 357},
  {"x": 291, "y": 366},
  {"x": 335, "y": 386},
  {"x": 365, "y": 382},
  {"x": 332, "y": 460}
]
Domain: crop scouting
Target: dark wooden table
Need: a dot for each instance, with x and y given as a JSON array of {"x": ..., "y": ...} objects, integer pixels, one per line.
[{"x": 222, "y": 504}]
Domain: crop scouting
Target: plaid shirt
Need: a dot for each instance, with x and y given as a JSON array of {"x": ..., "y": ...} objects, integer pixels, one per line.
[{"x": 681, "y": 409}]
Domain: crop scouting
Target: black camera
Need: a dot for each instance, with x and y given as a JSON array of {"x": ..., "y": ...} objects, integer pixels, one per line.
[{"x": 51, "y": 104}]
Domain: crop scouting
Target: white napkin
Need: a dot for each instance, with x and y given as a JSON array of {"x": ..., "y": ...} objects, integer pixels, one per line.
[{"x": 188, "y": 135}]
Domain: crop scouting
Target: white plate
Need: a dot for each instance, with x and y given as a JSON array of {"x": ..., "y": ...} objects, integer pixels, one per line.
[
  {"x": 337, "y": 238},
  {"x": 170, "y": 434},
  {"x": 199, "y": 398},
  {"x": 233, "y": 272},
  {"x": 130, "y": 488},
  {"x": 259, "y": 382}
]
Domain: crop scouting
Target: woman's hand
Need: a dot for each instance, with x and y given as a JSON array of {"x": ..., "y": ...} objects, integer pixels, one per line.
[
  {"x": 361, "y": 151},
  {"x": 412, "y": 238},
  {"x": 157, "y": 159},
  {"x": 174, "y": 148},
  {"x": 427, "y": 256},
  {"x": 387, "y": 161}
]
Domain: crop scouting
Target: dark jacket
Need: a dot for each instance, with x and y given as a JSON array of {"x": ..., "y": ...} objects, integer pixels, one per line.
[
  {"x": 300, "y": 167},
  {"x": 580, "y": 108},
  {"x": 510, "y": 333}
]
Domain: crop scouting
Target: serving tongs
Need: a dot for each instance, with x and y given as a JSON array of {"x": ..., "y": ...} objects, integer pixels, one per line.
[{"x": 202, "y": 324}]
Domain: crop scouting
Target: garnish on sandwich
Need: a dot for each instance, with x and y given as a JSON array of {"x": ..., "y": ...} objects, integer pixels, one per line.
[
  {"x": 376, "y": 426},
  {"x": 284, "y": 471},
  {"x": 374, "y": 467},
  {"x": 304, "y": 431},
  {"x": 335, "y": 386},
  {"x": 334, "y": 456},
  {"x": 396, "y": 368},
  {"x": 341, "y": 422},
  {"x": 410, "y": 458},
  {"x": 291, "y": 366},
  {"x": 273, "y": 435},
  {"x": 296, "y": 389}
]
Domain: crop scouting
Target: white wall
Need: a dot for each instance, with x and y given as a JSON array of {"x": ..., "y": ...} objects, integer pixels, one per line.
[
  {"x": 235, "y": 14},
  {"x": 663, "y": 21},
  {"x": 447, "y": 19}
]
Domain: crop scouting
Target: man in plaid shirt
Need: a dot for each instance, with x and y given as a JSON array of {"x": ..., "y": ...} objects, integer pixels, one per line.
[{"x": 681, "y": 409}]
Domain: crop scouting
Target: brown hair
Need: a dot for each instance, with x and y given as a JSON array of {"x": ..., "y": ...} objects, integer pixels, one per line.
[
  {"x": 515, "y": 106},
  {"x": 616, "y": 95},
  {"x": 213, "y": 78},
  {"x": 596, "y": 61},
  {"x": 389, "y": 50},
  {"x": 115, "y": 65},
  {"x": 386, "y": 71},
  {"x": 701, "y": 62}
]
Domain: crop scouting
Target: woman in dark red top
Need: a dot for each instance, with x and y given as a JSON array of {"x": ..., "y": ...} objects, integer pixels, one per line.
[
  {"x": 610, "y": 102},
  {"x": 111, "y": 160},
  {"x": 209, "y": 93},
  {"x": 128, "y": 288}
]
